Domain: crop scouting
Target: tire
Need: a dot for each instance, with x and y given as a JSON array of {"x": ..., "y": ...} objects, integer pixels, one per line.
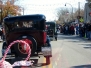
[{"x": 33, "y": 47}]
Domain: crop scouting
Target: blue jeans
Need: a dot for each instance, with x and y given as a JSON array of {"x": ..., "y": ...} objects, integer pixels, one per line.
[
  {"x": 77, "y": 32},
  {"x": 86, "y": 32},
  {"x": 89, "y": 34},
  {"x": 48, "y": 41}
]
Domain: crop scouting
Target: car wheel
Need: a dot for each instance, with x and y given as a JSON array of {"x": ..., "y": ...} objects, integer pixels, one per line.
[{"x": 21, "y": 52}]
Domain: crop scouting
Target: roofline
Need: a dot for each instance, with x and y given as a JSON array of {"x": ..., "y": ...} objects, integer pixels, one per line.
[{"x": 25, "y": 15}]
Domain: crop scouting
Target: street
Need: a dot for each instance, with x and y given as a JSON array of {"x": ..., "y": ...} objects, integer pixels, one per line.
[{"x": 69, "y": 51}]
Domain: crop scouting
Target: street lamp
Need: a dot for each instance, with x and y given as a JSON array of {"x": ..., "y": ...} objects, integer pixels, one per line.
[{"x": 72, "y": 9}]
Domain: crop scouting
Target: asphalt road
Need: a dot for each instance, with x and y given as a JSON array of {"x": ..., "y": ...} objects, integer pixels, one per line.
[{"x": 69, "y": 51}]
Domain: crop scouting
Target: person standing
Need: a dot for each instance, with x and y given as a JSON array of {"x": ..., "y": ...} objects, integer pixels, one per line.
[
  {"x": 77, "y": 29},
  {"x": 66, "y": 29},
  {"x": 72, "y": 29}
]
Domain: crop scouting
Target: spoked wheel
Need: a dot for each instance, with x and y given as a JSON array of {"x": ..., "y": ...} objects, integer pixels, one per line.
[{"x": 22, "y": 50}]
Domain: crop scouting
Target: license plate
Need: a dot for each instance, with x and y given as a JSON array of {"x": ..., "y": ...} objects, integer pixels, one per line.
[{"x": 46, "y": 51}]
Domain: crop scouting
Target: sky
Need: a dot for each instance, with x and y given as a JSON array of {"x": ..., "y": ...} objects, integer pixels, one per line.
[{"x": 49, "y": 7}]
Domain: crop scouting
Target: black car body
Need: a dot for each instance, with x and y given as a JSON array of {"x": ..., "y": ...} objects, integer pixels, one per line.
[
  {"x": 30, "y": 28},
  {"x": 51, "y": 29}
]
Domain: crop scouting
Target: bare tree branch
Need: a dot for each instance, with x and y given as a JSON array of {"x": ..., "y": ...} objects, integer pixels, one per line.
[{"x": 88, "y": 0}]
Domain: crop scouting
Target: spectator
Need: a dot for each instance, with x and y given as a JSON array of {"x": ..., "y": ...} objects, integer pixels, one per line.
[
  {"x": 72, "y": 29},
  {"x": 77, "y": 29}
]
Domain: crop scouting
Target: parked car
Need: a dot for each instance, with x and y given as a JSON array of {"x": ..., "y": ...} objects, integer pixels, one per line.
[
  {"x": 51, "y": 29},
  {"x": 30, "y": 28}
]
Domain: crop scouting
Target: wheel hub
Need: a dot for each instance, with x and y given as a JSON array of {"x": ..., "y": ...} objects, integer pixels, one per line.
[{"x": 24, "y": 48}]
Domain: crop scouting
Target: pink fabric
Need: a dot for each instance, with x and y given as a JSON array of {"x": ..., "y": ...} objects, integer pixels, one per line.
[
  {"x": 5, "y": 64},
  {"x": 22, "y": 63}
]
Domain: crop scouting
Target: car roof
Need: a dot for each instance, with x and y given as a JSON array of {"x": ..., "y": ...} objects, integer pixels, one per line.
[
  {"x": 50, "y": 22},
  {"x": 25, "y": 17}
]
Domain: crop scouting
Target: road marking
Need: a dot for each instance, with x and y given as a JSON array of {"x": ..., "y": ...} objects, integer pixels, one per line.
[
  {"x": 59, "y": 55},
  {"x": 50, "y": 65},
  {"x": 44, "y": 61},
  {"x": 56, "y": 63},
  {"x": 54, "y": 66},
  {"x": 58, "y": 58}
]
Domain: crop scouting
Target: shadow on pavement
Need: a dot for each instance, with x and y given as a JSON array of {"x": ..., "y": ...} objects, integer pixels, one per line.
[
  {"x": 70, "y": 38},
  {"x": 82, "y": 66},
  {"x": 76, "y": 39},
  {"x": 86, "y": 46},
  {"x": 73, "y": 38}
]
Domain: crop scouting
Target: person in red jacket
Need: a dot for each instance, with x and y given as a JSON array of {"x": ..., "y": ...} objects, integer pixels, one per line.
[{"x": 72, "y": 29}]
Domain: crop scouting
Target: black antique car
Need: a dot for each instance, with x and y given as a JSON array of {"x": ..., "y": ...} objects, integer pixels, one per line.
[
  {"x": 30, "y": 28},
  {"x": 51, "y": 29}
]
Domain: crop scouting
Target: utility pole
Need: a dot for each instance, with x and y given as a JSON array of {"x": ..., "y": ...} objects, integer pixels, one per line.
[
  {"x": 72, "y": 9},
  {"x": 23, "y": 11},
  {"x": 78, "y": 12},
  {"x": 79, "y": 8}
]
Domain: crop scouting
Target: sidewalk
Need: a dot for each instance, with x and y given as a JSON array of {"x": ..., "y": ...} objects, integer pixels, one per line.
[
  {"x": 77, "y": 36},
  {"x": 85, "y": 39}
]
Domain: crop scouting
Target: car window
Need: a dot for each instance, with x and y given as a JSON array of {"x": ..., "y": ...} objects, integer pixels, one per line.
[
  {"x": 26, "y": 24},
  {"x": 21, "y": 24}
]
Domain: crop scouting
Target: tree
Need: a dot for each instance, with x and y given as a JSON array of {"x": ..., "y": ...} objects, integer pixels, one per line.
[
  {"x": 81, "y": 13},
  {"x": 63, "y": 15},
  {"x": 88, "y": 0},
  {"x": 9, "y": 7}
]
